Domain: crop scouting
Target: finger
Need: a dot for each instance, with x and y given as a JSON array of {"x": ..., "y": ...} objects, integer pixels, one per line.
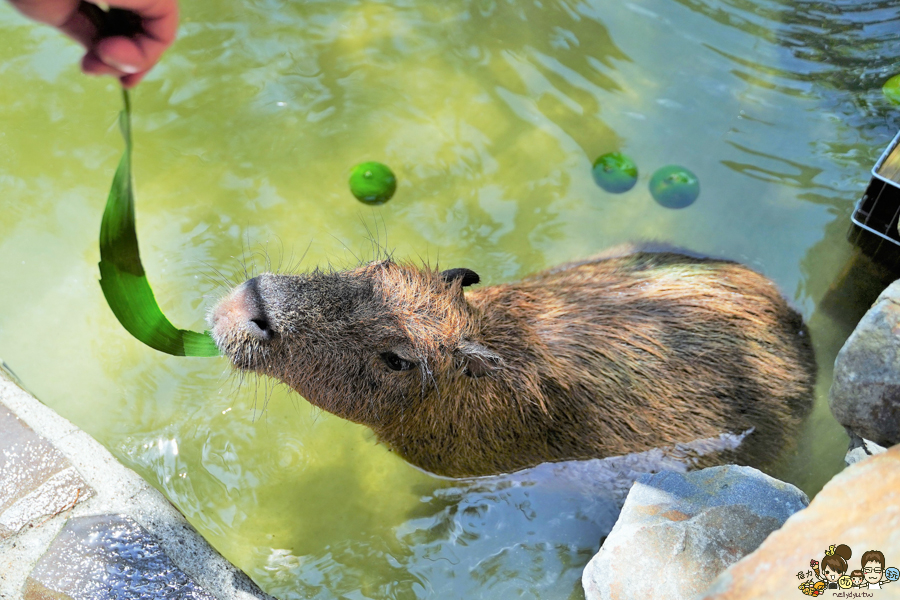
[
  {"x": 161, "y": 27},
  {"x": 122, "y": 53},
  {"x": 160, "y": 18},
  {"x": 159, "y": 21},
  {"x": 140, "y": 52},
  {"x": 92, "y": 65},
  {"x": 78, "y": 20},
  {"x": 129, "y": 81},
  {"x": 83, "y": 24},
  {"x": 51, "y": 12}
]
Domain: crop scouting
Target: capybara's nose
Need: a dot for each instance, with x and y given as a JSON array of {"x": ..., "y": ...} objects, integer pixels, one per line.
[{"x": 242, "y": 310}]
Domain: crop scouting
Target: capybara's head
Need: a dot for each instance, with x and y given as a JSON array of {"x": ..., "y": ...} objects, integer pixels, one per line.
[{"x": 358, "y": 343}]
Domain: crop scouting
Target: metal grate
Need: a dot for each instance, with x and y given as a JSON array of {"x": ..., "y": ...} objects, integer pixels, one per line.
[
  {"x": 877, "y": 213},
  {"x": 879, "y": 210}
]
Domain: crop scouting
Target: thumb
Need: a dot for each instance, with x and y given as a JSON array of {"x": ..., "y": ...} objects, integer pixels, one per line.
[{"x": 123, "y": 54}]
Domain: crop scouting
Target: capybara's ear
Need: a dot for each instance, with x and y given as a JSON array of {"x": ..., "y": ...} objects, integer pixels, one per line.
[
  {"x": 476, "y": 360},
  {"x": 468, "y": 276}
]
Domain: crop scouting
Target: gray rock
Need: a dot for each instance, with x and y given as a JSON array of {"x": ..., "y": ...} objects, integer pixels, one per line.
[
  {"x": 108, "y": 557},
  {"x": 865, "y": 394},
  {"x": 861, "y": 449},
  {"x": 678, "y": 531},
  {"x": 36, "y": 480},
  {"x": 858, "y": 507}
]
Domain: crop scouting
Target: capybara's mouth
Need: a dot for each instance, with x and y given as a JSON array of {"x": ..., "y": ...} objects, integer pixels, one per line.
[{"x": 240, "y": 326}]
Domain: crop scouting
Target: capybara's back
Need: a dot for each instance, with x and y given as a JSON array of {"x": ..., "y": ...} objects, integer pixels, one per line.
[
  {"x": 587, "y": 360},
  {"x": 648, "y": 349}
]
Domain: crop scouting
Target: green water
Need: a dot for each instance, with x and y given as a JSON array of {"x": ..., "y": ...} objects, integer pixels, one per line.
[{"x": 491, "y": 114}]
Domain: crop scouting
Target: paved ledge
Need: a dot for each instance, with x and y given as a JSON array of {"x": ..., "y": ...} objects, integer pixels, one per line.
[{"x": 69, "y": 511}]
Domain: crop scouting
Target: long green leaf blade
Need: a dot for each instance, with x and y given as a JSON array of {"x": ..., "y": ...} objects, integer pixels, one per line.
[{"x": 122, "y": 276}]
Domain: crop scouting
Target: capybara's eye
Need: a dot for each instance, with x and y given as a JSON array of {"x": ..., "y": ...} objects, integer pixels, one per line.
[{"x": 396, "y": 363}]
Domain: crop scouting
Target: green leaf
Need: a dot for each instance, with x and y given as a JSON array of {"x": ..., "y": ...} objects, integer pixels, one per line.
[{"x": 122, "y": 276}]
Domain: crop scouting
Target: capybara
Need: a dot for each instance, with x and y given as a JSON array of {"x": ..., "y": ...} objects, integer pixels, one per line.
[{"x": 603, "y": 357}]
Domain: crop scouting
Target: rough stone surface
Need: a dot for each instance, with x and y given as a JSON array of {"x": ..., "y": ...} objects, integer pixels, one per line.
[
  {"x": 678, "y": 531},
  {"x": 107, "y": 557},
  {"x": 36, "y": 479},
  {"x": 859, "y": 507},
  {"x": 865, "y": 395},
  {"x": 861, "y": 449},
  {"x": 116, "y": 489}
]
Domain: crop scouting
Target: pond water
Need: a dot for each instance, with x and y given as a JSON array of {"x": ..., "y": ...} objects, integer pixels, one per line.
[{"x": 490, "y": 112}]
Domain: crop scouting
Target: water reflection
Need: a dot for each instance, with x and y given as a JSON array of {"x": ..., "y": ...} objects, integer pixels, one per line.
[
  {"x": 850, "y": 47},
  {"x": 523, "y": 535},
  {"x": 776, "y": 169}
]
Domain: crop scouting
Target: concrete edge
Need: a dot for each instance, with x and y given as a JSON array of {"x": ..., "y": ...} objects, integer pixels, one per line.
[{"x": 117, "y": 489}]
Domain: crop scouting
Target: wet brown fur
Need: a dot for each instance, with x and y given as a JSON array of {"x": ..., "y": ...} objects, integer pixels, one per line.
[{"x": 592, "y": 359}]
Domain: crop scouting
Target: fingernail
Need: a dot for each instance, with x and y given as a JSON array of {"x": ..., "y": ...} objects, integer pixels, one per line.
[{"x": 128, "y": 69}]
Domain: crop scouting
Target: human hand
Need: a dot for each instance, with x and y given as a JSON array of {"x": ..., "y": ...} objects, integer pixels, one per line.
[{"x": 125, "y": 41}]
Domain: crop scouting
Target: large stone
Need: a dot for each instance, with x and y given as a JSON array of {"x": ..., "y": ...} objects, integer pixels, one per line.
[
  {"x": 678, "y": 531},
  {"x": 861, "y": 449},
  {"x": 36, "y": 480},
  {"x": 859, "y": 507},
  {"x": 108, "y": 557},
  {"x": 865, "y": 394}
]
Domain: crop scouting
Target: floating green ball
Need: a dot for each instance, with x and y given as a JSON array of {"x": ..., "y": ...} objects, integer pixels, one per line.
[
  {"x": 615, "y": 172},
  {"x": 674, "y": 187},
  {"x": 891, "y": 89},
  {"x": 372, "y": 183}
]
